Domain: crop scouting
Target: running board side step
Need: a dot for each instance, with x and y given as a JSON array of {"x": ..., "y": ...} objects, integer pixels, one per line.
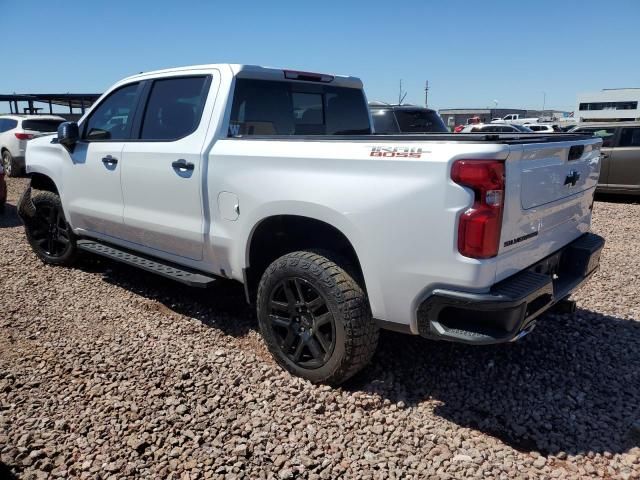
[{"x": 166, "y": 269}]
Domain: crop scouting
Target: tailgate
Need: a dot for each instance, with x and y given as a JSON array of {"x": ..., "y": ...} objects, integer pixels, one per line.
[
  {"x": 548, "y": 199},
  {"x": 549, "y": 173}
]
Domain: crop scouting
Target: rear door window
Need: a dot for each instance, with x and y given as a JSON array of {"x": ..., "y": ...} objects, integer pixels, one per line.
[
  {"x": 41, "y": 125},
  {"x": 174, "y": 108},
  {"x": 630, "y": 137},
  {"x": 266, "y": 107},
  {"x": 420, "y": 121},
  {"x": 7, "y": 124}
]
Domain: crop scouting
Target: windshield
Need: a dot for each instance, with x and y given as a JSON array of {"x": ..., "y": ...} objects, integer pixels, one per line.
[
  {"x": 41, "y": 125},
  {"x": 420, "y": 121},
  {"x": 522, "y": 129}
]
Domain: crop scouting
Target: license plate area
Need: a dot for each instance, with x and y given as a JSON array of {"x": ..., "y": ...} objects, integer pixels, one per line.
[{"x": 572, "y": 264}]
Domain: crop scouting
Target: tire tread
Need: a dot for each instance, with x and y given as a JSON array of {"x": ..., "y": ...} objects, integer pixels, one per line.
[{"x": 361, "y": 332}]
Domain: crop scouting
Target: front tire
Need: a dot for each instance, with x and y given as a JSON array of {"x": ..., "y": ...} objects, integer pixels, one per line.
[
  {"x": 48, "y": 232},
  {"x": 315, "y": 318}
]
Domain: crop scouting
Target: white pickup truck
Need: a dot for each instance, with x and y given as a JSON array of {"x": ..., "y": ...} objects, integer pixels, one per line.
[
  {"x": 515, "y": 118},
  {"x": 273, "y": 178}
]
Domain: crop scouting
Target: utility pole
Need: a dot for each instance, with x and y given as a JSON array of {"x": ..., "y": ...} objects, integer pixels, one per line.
[
  {"x": 544, "y": 101},
  {"x": 426, "y": 94},
  {"x": 401, "y": 95}
]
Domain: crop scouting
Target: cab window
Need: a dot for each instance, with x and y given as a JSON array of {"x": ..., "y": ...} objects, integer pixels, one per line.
[
  {"x": 630, "y": 137},
  {"x": 607, "y": 134},
  {"x": 174, "y": 108},
  {"x": 112, "y": 119}
]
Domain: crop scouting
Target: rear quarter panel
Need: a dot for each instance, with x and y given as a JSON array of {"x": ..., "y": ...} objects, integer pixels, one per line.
[{"x": 400, "y": 214}]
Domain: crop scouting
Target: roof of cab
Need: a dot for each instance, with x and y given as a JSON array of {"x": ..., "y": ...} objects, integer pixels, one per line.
[{"x": 247, "y": 71}]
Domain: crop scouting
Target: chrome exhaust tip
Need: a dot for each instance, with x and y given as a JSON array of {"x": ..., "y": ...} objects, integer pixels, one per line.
[{"x": 524, "y": 332}]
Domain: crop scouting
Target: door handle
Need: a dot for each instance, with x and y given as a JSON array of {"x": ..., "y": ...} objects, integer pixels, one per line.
[
  {"x": 604, "y": 155},
  {"x": 109, "y": 160},
  {"x": 182, "y": 165}
]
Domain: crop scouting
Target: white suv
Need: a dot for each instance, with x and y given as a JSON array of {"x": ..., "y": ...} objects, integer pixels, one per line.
[
  {"x": 543, "y": 127},
  {"x": 15, "y": 131}
]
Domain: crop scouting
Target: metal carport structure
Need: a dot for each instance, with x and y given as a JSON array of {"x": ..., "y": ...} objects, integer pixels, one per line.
[{"x": 77, "y": 101}]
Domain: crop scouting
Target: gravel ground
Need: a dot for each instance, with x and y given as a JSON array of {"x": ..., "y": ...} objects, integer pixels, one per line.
[{"x": 107, "y": 372}]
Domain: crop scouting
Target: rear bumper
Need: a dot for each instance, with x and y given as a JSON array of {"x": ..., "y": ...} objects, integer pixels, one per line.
[{"x": 508, "y": 311}]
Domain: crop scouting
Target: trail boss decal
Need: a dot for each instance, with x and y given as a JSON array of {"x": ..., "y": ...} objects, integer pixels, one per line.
[
  {"x": 508, "y": 243},
  {"x": 403, "y": 152}
]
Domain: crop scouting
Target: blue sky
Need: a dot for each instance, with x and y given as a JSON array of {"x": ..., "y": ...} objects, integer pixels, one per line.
[{"x": 472, "y": 52}]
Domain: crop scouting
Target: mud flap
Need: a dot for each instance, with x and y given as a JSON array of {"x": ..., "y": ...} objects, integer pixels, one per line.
[{"x": 26, "y": 208}]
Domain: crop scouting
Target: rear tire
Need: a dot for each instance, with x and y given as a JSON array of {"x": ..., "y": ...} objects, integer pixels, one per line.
[
  {"x": 9, "y": 164},
  {"x": 48, "y": 232},
  {"x": 315, "y": 318}
]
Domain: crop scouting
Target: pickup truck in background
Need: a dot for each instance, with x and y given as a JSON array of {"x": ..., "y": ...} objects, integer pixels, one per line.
[
  {"x": 619, "y": 156},
  {"x": 515, "y": 118},
  {"x": 273, "y": 178}
]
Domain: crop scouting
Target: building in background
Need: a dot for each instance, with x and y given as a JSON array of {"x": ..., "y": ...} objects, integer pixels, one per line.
[{"x": 609, "y": 104}]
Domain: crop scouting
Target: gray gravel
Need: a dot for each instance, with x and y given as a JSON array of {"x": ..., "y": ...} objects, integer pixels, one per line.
[{"x": 107, "y": 372}]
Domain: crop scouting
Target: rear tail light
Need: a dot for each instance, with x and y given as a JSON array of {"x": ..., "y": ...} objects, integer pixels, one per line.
[
  {"x": 24, "y": 136},
  {"x": 480, "y": 226}
]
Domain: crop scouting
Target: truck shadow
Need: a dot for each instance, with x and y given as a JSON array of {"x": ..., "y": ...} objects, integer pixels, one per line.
[
  {"x": 617, "y": 198},
  {"x": 6, "y": 473},
  {"x": 222, "y": 305},
  {"x": 10, "y": 218},
  {"x": 571, "y": 386}
]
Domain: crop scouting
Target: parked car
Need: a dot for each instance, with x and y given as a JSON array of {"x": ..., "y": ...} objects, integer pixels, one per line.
[
  {"x": 272, "y": 178},
  {"x": 15, "y": 131},
  {"x": 3, "y": 190},
  {"x": 390, "y": 119},
  {"x": 495, "y": 128},
  {"x": 542, "y": 127},
  {"x": 620, "y": 172}
]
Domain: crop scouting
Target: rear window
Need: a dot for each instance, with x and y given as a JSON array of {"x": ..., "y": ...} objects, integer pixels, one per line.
[
  {"x": 384, "y": 121},
  {"x": 41, "y": 125},
  {"x": 419, "y": 121},
  {"x": 264, "y": 107}
]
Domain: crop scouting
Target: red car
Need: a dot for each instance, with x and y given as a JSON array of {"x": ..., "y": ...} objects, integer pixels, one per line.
[{"x": 3, "y": 190}]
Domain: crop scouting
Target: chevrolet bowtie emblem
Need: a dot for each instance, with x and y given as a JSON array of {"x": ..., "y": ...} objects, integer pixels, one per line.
[{"x": 572, "y": 178}]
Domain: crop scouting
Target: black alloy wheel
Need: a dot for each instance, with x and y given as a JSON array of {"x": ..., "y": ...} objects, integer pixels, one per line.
[
  {"x": 315, "y": 317},
  {"x": 302, "y": 323},
  {"x": 48, "y": 232}
]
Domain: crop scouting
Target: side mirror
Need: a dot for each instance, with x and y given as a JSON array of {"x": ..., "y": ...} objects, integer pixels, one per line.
[{"x": 68, "y": 134}]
